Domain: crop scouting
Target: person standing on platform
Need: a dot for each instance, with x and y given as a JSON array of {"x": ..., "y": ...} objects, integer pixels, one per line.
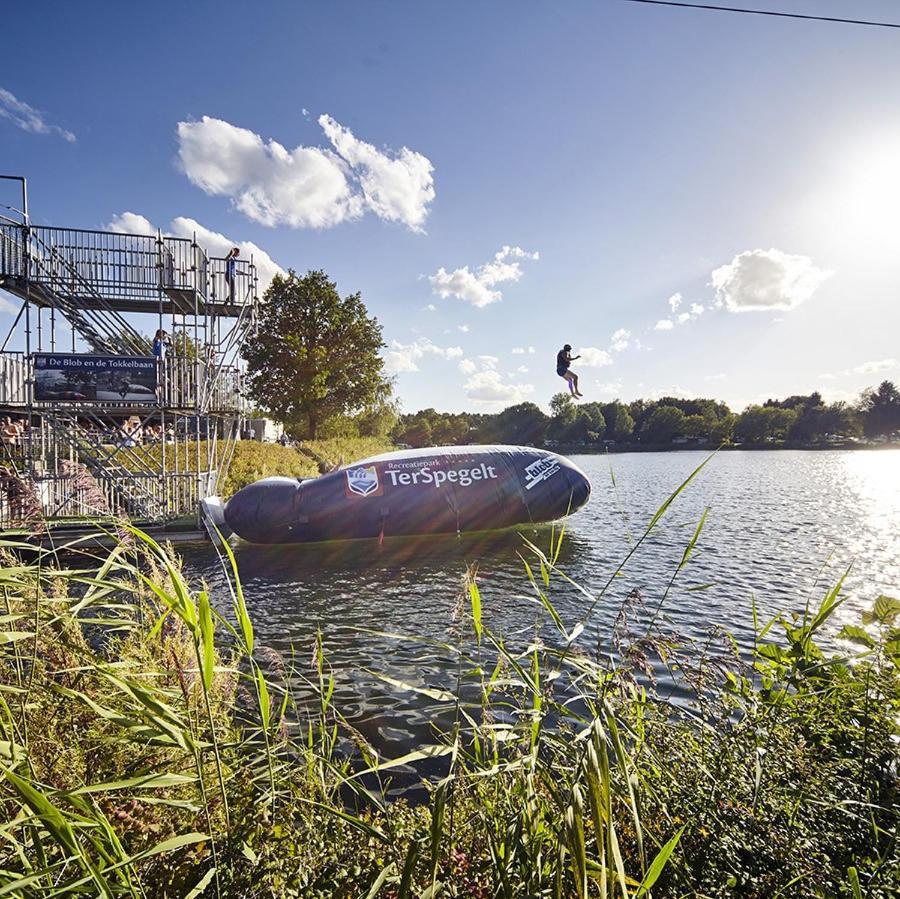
[
  {"x": 231, "y": 271},
  {"x": 160, "y": 342}
]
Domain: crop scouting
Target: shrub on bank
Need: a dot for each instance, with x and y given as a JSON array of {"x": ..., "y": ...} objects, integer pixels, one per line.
[
  {"x": 251, "y": 460},
  {"x": 151, "y": 747},
  {"x": 344, "y": 450}
]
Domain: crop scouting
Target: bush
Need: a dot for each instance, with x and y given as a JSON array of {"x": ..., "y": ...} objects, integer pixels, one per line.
[{"x": 252, "y": 460}]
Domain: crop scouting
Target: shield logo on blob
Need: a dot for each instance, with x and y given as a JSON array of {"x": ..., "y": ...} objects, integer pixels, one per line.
[{"x": 363, "y": 481}]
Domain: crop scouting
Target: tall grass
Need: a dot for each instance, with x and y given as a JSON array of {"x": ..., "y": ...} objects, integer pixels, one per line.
[{"x": 150, "y": 746}]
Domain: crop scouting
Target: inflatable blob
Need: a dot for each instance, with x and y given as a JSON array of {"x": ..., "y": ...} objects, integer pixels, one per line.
[{"x": 438, "y": 490}]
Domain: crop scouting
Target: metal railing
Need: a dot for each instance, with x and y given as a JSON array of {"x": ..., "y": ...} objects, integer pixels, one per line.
[
  {"x": 116, "y": 266},
  {"x": 73, "y": 497},
  {"x": 234, "y": 292},
  {"x": 12, "y": 251},
  {"x": 14, "y": 374},
  {"x": 120, "y": 265},
  {"x": 197, "y": 384}
]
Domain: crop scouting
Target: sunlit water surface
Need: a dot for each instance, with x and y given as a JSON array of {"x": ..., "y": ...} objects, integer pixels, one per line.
[{"x": 782, "y": 528}]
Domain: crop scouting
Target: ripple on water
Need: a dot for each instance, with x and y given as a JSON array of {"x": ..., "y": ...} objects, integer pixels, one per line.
[{"x": 782, "y": 528}]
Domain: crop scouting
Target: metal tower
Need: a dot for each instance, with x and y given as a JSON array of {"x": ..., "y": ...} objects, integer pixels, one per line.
[{"x": 95, "y": 422}]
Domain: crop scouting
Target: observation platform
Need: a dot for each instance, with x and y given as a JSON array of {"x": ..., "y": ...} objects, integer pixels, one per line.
[{"x": 104, "y": 271}]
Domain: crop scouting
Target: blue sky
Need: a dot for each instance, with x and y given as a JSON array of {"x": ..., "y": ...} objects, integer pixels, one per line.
[{"x": 535, "y": 173}]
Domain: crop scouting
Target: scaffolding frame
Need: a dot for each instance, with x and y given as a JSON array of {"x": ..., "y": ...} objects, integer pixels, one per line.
[{"x": 88, "y": 292}]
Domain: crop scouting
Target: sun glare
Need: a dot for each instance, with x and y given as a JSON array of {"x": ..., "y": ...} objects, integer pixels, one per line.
[{"x": 867, "y": 211}]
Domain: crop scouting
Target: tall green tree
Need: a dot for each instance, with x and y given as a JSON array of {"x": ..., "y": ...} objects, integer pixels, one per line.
[
  {"x": 314, "y": 355},
  {"x": 589, "y": 425},
  {"x": 619, "y": 423},
  {"x": 881, "y": 408},
  {"x": 564, "y": 411},
  {"x": 663, "y": 424},
  {"x": 522, "y": 424},
  {"x": 378, "y": 419},
  {"x": 722, "y": 431},
  {"x": 757, "y": 424}
]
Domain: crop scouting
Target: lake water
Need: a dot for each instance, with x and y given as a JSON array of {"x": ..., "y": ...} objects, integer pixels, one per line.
[{"x": 782, "y": 527}]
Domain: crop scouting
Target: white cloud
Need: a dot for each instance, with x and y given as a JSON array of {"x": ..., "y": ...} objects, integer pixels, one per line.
[
  {"x": 7, "y": 306},
  {"x": 397, "y": 188},
  {"x": 429, "y": 308},
  {"x": 307, "y": 187},
  {"x": 766, "y": 279},
  {"x": 489, "y": 388},
  {"x": 619, "y": 340},
  {"x": 871, "y": 368},
  {"x": 608, "y": 389},
  {"x": 476, "y": 287},
  {"x": 132, "y": 223},
  {"x": 675, "y": 318},
  {"x": 719, "y": 376},
  {"x": 874, "y": 367},
  {"x": 397, "y": 362},
  {"x": 678, "y": 392},
  {"x": 27, "y": 118},
  {"x": 591, "y": 357},
  {"x": 518, "y": 351},
  {"x": 403, "y": 357},
  {"x": 531, "y": 350},
  {"x": 213, "y": 242},
  {"x": 479, "y": 364},
  {"x": 522, "y": 370},
  {"x": 463, "y": 328}
]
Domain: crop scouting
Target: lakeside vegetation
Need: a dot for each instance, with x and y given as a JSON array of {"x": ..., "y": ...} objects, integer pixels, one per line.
[
  {"x": 150, "y": 746},
  {"x": 669, "y": 421},
  {"x": 250, "y": 460}
]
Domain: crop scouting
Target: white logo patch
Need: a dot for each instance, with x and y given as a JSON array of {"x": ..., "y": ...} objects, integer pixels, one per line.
[
  {"x": 362, "y": 481},
  {"x": 540, "y": 471}
]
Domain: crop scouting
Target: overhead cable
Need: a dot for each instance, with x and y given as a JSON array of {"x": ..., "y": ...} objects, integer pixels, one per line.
[{"x": 767, "y": 12}]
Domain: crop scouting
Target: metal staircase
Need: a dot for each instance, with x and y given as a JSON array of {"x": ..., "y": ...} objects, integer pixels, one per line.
[
  {"x": 122, "y": 486},
  {"x": 50, "y": 280}
]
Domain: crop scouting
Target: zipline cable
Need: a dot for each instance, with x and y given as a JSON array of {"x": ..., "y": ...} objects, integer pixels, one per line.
[{"x": 766, "y": 12}]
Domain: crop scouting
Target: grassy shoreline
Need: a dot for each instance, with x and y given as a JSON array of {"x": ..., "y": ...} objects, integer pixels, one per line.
[
  {"x": 150, "y": 746},
  {"x": 252, "y": 460}
]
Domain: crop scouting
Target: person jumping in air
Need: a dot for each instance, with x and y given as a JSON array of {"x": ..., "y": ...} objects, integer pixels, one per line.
[{"x": 563, "y": 358}]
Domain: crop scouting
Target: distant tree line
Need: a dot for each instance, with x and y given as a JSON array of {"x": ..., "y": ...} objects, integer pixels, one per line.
[{"x": 796, "y": 420}]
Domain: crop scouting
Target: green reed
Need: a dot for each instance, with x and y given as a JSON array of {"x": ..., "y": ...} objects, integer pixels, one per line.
[{"x": 150, "y": 746}]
